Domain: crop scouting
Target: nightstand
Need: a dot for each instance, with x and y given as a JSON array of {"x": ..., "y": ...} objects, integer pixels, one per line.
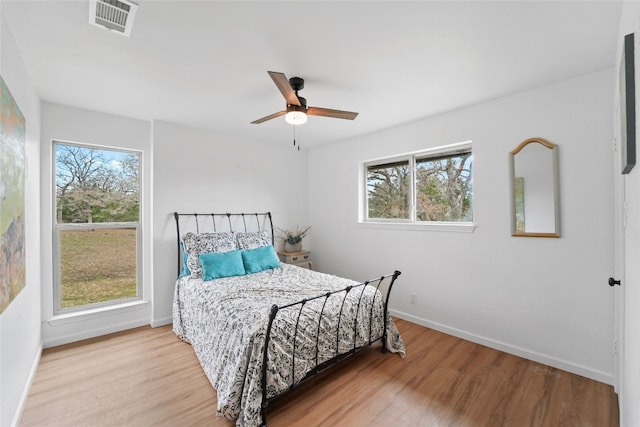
[{"x": 300, "y": 258}]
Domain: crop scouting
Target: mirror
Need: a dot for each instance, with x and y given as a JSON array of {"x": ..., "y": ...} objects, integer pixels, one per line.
[{"x": 535, "y": 210}]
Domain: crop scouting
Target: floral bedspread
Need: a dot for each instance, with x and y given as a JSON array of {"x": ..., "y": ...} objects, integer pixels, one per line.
[{"x": 225, "y": 320}]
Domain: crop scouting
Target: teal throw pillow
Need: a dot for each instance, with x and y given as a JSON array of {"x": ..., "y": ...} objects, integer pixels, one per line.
[
  {"x": 185, "y": 268},
  {"x": 221, "y": 264},
  {"x": 260, "y": 259}
]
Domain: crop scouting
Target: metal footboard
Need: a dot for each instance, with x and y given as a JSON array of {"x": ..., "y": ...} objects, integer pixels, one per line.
[{"x": 383, "y": 285}]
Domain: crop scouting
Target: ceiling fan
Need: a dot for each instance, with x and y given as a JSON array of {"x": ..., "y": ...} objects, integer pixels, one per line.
[{"x": 297, "y": 110}]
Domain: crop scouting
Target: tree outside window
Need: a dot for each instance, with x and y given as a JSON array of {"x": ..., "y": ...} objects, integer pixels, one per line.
[
  {"x": 431, "y": 186},
  {"x": 97, "y": 212},
  {"x": 388, "y": 190},
  {"x": 443, "y": 188}
]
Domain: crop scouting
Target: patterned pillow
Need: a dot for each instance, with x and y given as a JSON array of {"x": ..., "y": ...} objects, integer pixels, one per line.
[
  {"x": 196, "y": 244},
  {"x": 190, "y": 245},
  {"x": 253, "y": 240}
]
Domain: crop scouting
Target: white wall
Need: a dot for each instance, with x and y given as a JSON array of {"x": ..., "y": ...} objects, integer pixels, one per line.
[
  {"x": 542, "y": 298},
  {"x": 62, "y": 123},
  {"x": 20, "y": 337},
  {"x": 200, "y": 171}
]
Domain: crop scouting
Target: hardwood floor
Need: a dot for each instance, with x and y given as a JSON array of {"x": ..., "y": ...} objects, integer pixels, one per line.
[{"x": 148, "y": 377}]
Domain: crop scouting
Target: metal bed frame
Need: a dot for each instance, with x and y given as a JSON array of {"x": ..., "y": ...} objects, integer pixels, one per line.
[{"x": 384, "y": 284}]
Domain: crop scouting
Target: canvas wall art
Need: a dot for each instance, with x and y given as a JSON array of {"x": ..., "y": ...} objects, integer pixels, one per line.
[
  {"x": 628, "y": 105},
  {"x": 12, "y": 198}
]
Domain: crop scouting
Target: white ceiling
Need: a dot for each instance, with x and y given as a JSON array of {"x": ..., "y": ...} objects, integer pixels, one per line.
[{"x": 204, "y": 63}]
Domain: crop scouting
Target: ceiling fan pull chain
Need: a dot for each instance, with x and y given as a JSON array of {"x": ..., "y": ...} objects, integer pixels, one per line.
[{"x": 294, "y": 137}]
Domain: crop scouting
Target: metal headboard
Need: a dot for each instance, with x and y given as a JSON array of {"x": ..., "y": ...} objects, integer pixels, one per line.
[{"x": 214, "y": 222}]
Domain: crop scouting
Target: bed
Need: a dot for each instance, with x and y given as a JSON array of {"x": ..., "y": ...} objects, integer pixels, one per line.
[{"x": 260, "y": 332}]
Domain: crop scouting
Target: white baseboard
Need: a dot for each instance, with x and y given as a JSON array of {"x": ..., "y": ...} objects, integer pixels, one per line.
[
  {"x": 161, "y": 322},
  {"x": 83, "y": 335},
  {"x": 27, "y": 388},
  {"x": 545, "y": 359}
]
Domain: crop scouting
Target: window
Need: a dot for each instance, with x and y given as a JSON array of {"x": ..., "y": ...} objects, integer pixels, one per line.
[
  {"x": 430, "y": 186},
  {"x": 96, "y": 226},
  {"x": 388, "y": 190}
]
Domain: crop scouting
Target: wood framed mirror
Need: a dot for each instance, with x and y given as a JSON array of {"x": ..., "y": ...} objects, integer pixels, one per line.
[{"x": 535, "y": 201}]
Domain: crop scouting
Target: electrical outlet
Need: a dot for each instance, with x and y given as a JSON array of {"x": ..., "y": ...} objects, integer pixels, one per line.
[{"x": 413, "y": 299}]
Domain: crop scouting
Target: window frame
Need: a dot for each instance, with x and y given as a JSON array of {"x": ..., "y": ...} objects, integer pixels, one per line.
[
  {"x": 389, "y": 161},
  {"x": 58, "y": 227},
  {"x": 411, "y": 223}
]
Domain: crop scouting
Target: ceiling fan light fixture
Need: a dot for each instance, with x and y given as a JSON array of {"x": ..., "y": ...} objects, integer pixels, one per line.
[
  {"x": 296, "y": 118},
  {"x": 297, "y": 111}
]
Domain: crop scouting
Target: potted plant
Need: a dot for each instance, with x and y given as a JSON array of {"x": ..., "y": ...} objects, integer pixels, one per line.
[{"x": 293, "y": 239}]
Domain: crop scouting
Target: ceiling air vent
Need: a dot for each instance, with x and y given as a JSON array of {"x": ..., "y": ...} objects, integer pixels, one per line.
[{"x": 115, "y": 15}]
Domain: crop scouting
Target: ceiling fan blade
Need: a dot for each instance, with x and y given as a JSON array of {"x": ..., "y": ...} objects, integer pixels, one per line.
[
  {"x": 269, "y": 117},
  {"x": 328, "y": 112},
  {"x": 283, "y": 85}
]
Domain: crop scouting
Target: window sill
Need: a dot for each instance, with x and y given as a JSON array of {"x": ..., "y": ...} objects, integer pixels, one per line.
[
  {"x": 93, "y": 313},
  {"x": 452, "y": 227}
]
